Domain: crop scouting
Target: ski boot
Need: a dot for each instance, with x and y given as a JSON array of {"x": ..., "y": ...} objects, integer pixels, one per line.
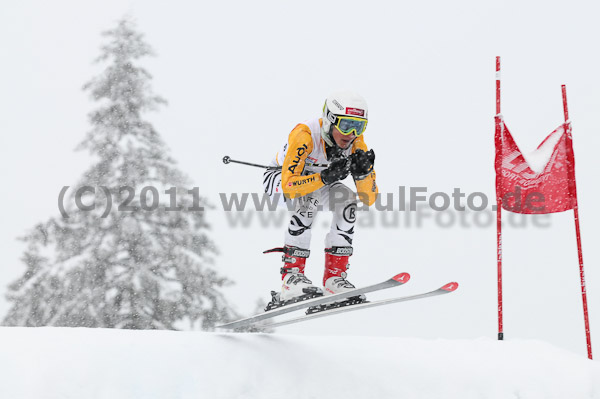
[
  {"x": 334, "y": 279},
  {"x": 295, "y": 285}
]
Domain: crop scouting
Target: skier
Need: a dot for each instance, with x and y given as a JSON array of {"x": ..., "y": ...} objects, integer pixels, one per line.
[{"x": 318, "y": 155}]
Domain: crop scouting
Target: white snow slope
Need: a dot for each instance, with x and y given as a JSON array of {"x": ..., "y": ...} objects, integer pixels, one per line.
[{"x": 97, "y": 363}]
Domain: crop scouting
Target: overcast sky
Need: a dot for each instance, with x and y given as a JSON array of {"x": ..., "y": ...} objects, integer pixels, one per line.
[{"x": 240, "y": 75}]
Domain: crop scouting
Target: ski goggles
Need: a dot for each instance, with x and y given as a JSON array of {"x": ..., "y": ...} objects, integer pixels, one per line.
[{"x": 348, "y": 125}]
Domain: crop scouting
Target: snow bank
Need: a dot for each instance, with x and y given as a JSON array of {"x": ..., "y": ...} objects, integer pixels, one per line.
[{"x": 84, "y": 363}]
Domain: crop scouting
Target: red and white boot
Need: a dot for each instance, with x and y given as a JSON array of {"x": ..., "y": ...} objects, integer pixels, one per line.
[
  {"x": 336, "y": 266},
  {"x": 295, "y": 284}
]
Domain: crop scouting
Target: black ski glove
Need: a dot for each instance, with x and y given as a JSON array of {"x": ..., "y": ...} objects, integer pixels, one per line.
[
  {"x": 361, "y": 163},
  {"x": 338, "y": 169}
]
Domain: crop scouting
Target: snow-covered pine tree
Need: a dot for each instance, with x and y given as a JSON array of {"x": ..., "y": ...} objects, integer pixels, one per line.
[{"x": 144, "y": 265}]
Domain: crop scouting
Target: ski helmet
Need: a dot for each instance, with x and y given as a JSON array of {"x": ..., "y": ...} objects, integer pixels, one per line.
[{"x": 342, "y": 103}]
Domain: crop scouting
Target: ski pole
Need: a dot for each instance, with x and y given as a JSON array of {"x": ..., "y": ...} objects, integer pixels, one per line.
[{"x": 227, "y": 159}]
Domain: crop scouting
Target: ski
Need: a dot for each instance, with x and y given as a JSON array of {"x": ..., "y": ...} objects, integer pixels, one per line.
[
  {"x": 395, "y": 281},
  {"x": 450, "y": 287}
]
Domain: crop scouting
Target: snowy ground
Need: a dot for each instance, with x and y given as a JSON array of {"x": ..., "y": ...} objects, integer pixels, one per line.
[{"x": 84, "y": 363}]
